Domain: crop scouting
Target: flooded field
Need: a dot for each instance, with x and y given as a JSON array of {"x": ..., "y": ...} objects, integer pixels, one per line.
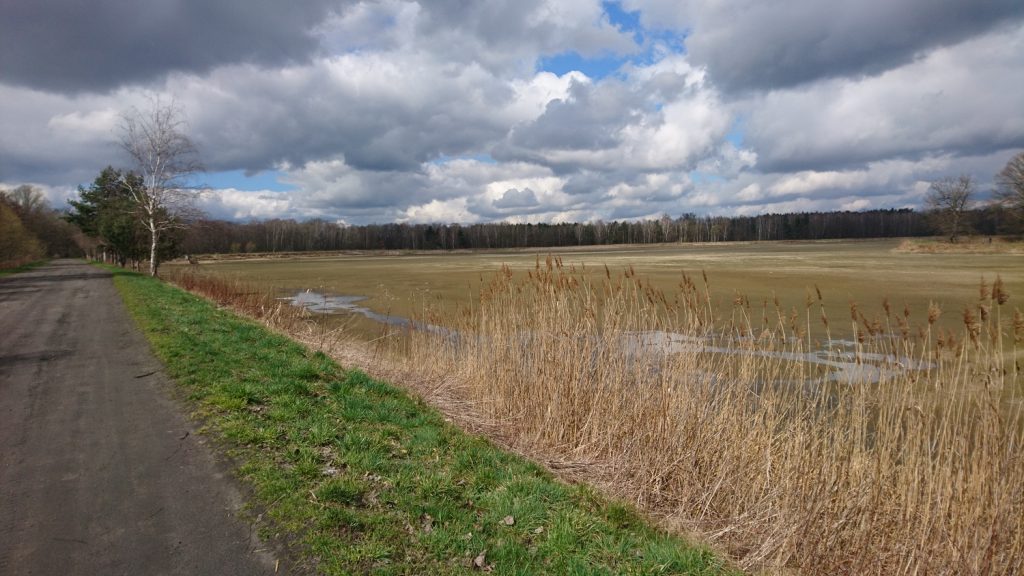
[{"x": 864, "y": 273}]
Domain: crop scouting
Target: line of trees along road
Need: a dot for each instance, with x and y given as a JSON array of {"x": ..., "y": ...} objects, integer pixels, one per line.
[
  {"x": 139, "y": 215},
  {"x": 107, "y": 210}
]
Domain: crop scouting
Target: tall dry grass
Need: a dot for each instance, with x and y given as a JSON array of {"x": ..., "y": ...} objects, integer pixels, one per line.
[{"x": 902, "y": 457}]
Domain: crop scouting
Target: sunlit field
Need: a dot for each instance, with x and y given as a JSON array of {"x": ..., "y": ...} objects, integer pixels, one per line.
[
  {"x": 862, "y": 272},
  {"x": 827, "y": 407}
]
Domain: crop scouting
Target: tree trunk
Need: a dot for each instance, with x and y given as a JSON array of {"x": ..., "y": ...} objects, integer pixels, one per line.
[{"x": 155, "y": 239}]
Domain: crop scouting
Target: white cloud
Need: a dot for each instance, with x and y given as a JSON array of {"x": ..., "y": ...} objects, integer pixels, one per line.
[
  {"x": 657, "y": 118},
  {"x": 243, "y": 205},
  {"x": 438, "y": 211},
  {"x": 88, "y": 126}
]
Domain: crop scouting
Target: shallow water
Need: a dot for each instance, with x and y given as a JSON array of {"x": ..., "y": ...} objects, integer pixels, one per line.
[
  {"x": 845, "y": 363},
  {"x": 326, "y": 304}
]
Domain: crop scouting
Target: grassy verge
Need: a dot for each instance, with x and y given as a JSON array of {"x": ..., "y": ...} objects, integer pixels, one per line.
[
  {"x": 370, "y": 480},
  {"x": 22, "y": 268}
]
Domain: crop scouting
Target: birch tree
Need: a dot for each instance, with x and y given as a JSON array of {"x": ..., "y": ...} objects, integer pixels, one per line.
[{"x": 165, "y": 159}]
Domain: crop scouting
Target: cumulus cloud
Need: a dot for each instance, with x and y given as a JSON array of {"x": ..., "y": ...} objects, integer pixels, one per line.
[
  {"x": 891, "y": 183},
  {"x": 453, "y": 210},
  {"x": 381, "y": 111},
  {"x": 662, "y": 117},
  {"x": 513, "y": 198},
  {"x": 510, "y": 34},
  {"x": 244, "y": 205}
]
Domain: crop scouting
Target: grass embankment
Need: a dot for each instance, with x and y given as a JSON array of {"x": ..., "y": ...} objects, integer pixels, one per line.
[
  {"x": 22, "y": 268},
  {"x": 370, "y": 480}
]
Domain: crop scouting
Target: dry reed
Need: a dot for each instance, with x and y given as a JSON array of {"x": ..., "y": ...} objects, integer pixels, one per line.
[{"x": 896, "y": 453}]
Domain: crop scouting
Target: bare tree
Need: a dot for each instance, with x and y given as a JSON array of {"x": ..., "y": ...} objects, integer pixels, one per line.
[
  {"x": 165, "y": 159},
  {"x": 1010, "y": 185},
  {"x": 27, "y": 199},
  {"x": 948, "y": 200}
]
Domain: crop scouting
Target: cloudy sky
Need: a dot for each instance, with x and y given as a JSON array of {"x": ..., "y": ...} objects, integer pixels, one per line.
[{"x": 522, "y": 110}]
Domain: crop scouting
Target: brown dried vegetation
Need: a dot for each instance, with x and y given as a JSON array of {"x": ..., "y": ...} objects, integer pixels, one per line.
[{"x": 899, "y": 453}]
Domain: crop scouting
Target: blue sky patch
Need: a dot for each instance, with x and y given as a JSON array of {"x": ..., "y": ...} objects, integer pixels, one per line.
[
  {"x": 736, "y": 134},
  {"x": 625, "y": 21},
  {"x": 651, "y": 47},
  {"x": 594, "y": 68},
  {"x": 482, "y": 158},
  {"x": 698, "y": 177}
]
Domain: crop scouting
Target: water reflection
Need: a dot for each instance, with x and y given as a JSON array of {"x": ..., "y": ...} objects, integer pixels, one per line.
[
  {"x": 845, "y": 363},
  {"x": 326, "y": 304}
]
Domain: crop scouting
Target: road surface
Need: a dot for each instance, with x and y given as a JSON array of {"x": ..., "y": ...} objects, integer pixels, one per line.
[{"x": 100, "y": 471}]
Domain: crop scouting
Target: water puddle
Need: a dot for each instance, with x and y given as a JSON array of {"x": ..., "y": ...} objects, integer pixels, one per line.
[
  {"x": 847, "y": 365},
  {"x": 841, "y": 357},
  {"x": 325, "y": 304}
]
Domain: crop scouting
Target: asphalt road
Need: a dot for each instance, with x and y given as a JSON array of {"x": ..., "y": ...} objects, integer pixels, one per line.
[{"x": 100, "y": 471}]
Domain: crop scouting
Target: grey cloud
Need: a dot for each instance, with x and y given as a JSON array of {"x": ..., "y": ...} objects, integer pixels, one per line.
[
  {"x": 585, "y": 182},
  {"x": 510, "y": 33},
  {"x": 337, "y": 189},
  {"x": 494, "y": 211},
  {"x": 882, "y": 184},
  {"x": 45, "y": 138},
  {"x": 758, "y": 45},
  {"x": 961, "y": 100},
  {"x": 72, "y": 46},
  {"x": 626, "y": 194},
  {"x": 389, "y": 110},
  {"x": 513, "y": 198},
  {"x": 243, "y": 118},
  {"x": 590, "y": 120}
]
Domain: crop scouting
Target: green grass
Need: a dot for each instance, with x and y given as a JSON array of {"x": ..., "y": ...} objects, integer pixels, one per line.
[
  {"x": 370, "y": 480},
  {"x": 22, "y": 268}
]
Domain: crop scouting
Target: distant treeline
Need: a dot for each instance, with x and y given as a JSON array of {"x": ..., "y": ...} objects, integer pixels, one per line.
[{"x": 217, "y": 236}]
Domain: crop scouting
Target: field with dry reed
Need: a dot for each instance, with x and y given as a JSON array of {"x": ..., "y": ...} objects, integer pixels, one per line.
[
  {"x": 820, "y": 414},
  {"x": 863, "y": 272}
]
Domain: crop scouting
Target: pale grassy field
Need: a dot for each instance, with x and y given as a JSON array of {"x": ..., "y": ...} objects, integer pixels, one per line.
[{"x": 864, "y": 272}]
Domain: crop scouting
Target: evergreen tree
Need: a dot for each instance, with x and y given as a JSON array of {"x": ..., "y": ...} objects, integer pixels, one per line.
[{"x": 105, "y": 211}]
